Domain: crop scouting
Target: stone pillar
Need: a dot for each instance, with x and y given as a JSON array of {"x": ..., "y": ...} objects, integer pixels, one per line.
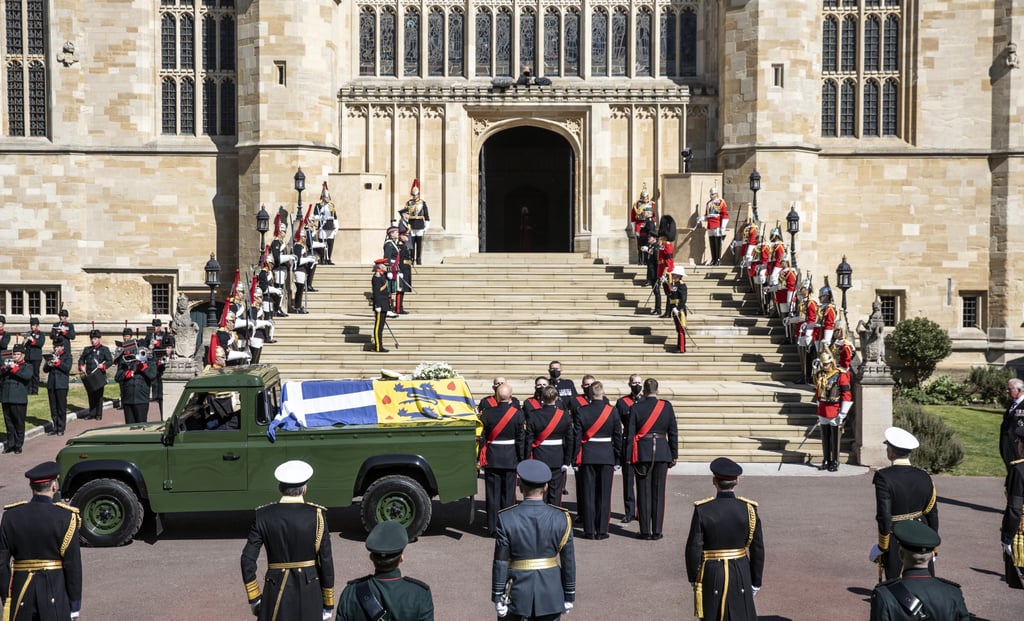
[{"x": 872, "y": 394}]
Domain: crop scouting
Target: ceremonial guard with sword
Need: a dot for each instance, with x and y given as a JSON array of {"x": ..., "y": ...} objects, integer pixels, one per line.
[
  {"x": 716, "y": 219},
  {"x": 643, "y": 211},
  {"x": 419, "y": 219},
  {"x": 834, "y": 399},
  {"x": 676, "y": 301}
]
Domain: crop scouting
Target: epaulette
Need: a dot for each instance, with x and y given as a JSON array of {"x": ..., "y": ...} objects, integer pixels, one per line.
[
  {"x": 957, "y": 585},
  {"x": 563, "y": 509},
  {"x": 264, "y": 506},
  {"x": 313, "y": 504},
  {"x": 416, "y": 582},
  {"x": 506, "y": 509},
  {"x": 363, "y": 579},
  {"x": 747, "y": 500},
  {"x": 66, "y": 506},
  {"x": 1017, "y": 461},
  {"x": 23, "y": 502},
  {"x": 698, "y": 503}
]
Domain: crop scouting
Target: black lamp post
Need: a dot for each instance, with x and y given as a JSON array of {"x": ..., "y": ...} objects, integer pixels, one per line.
[
  {"x": 300, "y": 185},
  {"x": 755, "y": 185},
  {"x": 844, "y": 275},
  {"x": 262, "y": 226},
  {"x": 793, "y": 226},
  {"x": 212, "y": 281}
]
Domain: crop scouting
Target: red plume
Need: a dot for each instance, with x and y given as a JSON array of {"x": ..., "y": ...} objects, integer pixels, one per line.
[
  {"x": 234, "y": 285},
  {"x": 224, "y": 315},
  {"x": 415, "y": 188},
  {"x": 277, "y": 224},
  {"x": 325, "y": 195},
  {"x": 211, "y": 353},
  {"x": 252, "y": 290}
]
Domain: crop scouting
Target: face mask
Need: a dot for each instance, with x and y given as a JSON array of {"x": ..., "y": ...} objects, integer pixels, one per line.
[
  {"x": 635, "y": 389},
  {"x": 555, "y": 373},
  {"x": 537, "y": 390}
]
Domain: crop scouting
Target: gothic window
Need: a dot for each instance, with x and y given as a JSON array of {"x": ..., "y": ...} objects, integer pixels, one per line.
[
  {"x": 388, "y": 25},
  {"x": 435, "y": 42},
  {"x": 892, "y": 2},
  {"x": 209, "y": 107},
  {"x": 227, "y": 44},
  {"x": 16, "y": 99},
  {"x": 599, "y": 42},
  {"x": 188, "y": 41},
  {"x": 667, "y": 32},
  {"x": 36, "y": 99},
  {"x": 367, "y": 41},
  {"x": 891, "y": 52},
  {"x": 456, "y": 42},
  {"x": 871, "y": 108},
  {"x": 688, "y": 42},
  {"x": 227, "y": 107},
  {"x": 35, "y": 27},
  {"x": 483, "y": 41},
  {"x": 829, "y": 45},
  {"x": 848, "y": 108},
  {"x": 179, "y": 76},
  {"x": 831, "y": 4},
  {"x": 169, "y": 108},
  {"x": 552, "y": 41},
  {"x": 872, "y": 43},
  {"x": 13, "y": 34},
  {"x": 209, "y": 43},
  {"x": 850, "y": 4},
  {"x": 828, "y": 108},
  {"x": 528, "y": 39},
  {"x": 572, "y": 42},
  {"x": 188, "y": 107},
  {"x": 412, "y": 42},
  {"x": 620, "y": 41},
  {"x": 872, "y": 3},
  {"x": 643, "y": 42},
  {"x": 168, "y": 42},
  {"x": 890, "y": 102},
  {"x": 849, "y": 51},
  {"x": 503, "y": 42},
  {"x": 25, "y": 42}
]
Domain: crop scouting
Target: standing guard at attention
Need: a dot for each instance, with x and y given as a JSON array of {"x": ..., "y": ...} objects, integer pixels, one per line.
[
  {"x": 643, "y": 211},
  {"x": 716, "y": 219},
  {"x": 653, "y": 442},
  {"x": 676, "y": 301},
  {"x": 834, "y": 398},
  {"x": 419, "y": 219},
  {"x": 502, "y": 447},
  {"x": 1012, "y": 531},
  {"x": 381, "y": 303},
  {"x": 598, "y": 444},
  {"x": 299, "y": 584},
  {"x": 725, "y": 551}
]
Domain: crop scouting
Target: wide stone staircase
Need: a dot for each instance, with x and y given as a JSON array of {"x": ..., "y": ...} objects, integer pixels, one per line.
[{"x": 736, "y": 391}]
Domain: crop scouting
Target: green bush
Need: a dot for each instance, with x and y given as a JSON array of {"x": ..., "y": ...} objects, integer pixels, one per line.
[
  {"x": 913, "y": 394},
  {"x": 920, "y": 344},
  {"x": 948, "y": 390},
  {"x": 940, "y": 449},
  {"x": 988, "y": 384}
]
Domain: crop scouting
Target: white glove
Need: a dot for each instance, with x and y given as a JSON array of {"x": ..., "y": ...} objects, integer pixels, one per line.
[
  {"x": 391, "y": 276},
  {"x": 842, "y": 419},
  {"x": 645, "y": 248},
  {"x": 75, "y": 614},
  {"x": 725, "y": 223},
  {"x": 327, "y": 614},
  {"x": 376, "y": 309},
  {"x": 755, "y": 589},
  {"x": 1007, "y": 550},
  {"x": 617, "y": 468},
  {"x": 675, "y": 311},
  {"x": 565, "y": 469},
  {"x": 502, "y": 609},
  {"x": 568, "y": 606},
  {"x": 874, "y": 553},
  {"x": 844, "y": 409}
]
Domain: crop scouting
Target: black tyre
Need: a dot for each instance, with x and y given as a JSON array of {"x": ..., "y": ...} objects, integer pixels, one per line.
[
  {"x": 111, "y": 512},
  {"x": 400, "y": 498}
]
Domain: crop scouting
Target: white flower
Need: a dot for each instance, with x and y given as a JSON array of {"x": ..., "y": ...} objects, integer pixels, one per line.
[{"x": 434, "y": 371}]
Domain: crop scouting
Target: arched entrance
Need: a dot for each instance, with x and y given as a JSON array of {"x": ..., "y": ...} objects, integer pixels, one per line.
[{"x": 526, "y": 192}]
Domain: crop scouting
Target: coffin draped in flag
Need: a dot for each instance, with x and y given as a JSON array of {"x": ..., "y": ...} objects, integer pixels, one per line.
[{"x": 370, "y": 402}]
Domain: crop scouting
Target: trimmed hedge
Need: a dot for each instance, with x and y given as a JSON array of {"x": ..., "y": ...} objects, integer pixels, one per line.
[{"x": 940, "y": 449}]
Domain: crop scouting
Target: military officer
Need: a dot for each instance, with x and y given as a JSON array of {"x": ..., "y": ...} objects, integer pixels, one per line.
[
  {"x": 135, "y": 374},
  {"x": 829, "y": 317},
  {"x": 299, "y": 583},
  {"x": 419, "y": 219},
  {"x": 1012, "y": 531},
  {"x": 724, "y": 550},
  {"x": 58, "y": 366},
  {"x": 533, "y": 404},
  {"x": 63, "y": 327},
  {"x": 643, "y": 211},
  {"x": 902, "y": 493},
  {"x": 917, "y": 594},
  {"x": 502, "y": 447},
  {"x": 565, "y": 386},
  {"x": 666, "y": 260},
  {"x": 404, "y": 284},
  {"x": 549, "y": 440},
  {"x": 598, "y": 436},
  {"x": 381, "y": 303},
  {"x": 41, "y": 536},
  {"x": 834, "y": 398},
  {"x": 492, "y": 400},
  {"x": 653, "y": 441},
  {"x": 676, "y": 301},
  {"x": 34, "y": 342},
  {"x": 96, "y": 358},
  {"x": 393, "y": 254},
  {"x": 1013, "y": 419},
  {"x": 160, "y": 343},
  {"x": 15, "y": 379},
  {"x": 5, "y": 336},
  {"x": 386, "y": 592},
  {"x": 716, "y": 219},
  {"x": 534, "y": 571},
  {"x": 622, "y": 407}
]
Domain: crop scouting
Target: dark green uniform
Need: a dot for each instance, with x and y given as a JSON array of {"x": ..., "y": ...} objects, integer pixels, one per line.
[
  {"x": 135, "y": 378},
  {"x": 405, "y": 599},
  {"x": 941, "y": 599},
  {"x": 34, "y": 342},
  {"x": 57, "y": 370},
  {"x": 42, "y": 538},
  {"x": 299, "y": 583},
  {"x": 14, "y": 390},
  {"x": 97, "y": 359}
]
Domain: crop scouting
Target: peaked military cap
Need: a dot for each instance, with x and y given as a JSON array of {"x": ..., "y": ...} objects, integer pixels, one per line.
[
  {"x": 901, "y": 439},
  {"x": 156, "y": 322},
  {"x": 46, "y": 471},
  {"x": 388, "y": 537},
  {"x": 725, "y": 468},
  {"x": 533, "y": 472},
  {"x": 916, "y": 536},
  {"x": 294, "y": 472}
]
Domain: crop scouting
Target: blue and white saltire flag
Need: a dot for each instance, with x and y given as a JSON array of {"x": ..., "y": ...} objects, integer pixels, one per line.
[{"x": 325, "y": 403}]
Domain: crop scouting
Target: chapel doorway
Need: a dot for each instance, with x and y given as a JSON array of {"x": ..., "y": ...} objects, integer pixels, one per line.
[{"x": 527, "y": 200}]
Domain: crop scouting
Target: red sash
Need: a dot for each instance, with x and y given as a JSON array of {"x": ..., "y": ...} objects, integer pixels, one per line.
[
  {"x": 629, "y": 401},
  {"x": 495, "y": 432},
  {"x": 653, "y": 418},
  {"x": 534, "y": 403},
  {"x": 589, "y": 433},
  {"x": 488, "y": 402},
  {"x": 557, "y": 418}
]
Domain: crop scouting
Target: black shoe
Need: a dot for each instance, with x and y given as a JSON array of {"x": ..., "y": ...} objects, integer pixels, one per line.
[
  {"x": 664, "y": 316},
  {"x": 301, "y": 311},
  {"x": 657, "y": 537},
  {"x": 833, "y": 467},
  {"x": 601, "y": 537},
  {"x": 587, "y": 536},
  {"x": 51, "y": 433},
  {"x": 405, "y": 312},
  {"x": 645, "y": 283},
  {"x": 8, "y": 450},
  {"x": 626, "y": 520},
  {"x": 381, "y": 351},
  {"x": 656, "y": 311},
  {"x": 330, "y": 263},
  {"x": 270, "y": 341},
  {"x": 280, "y": 314},
  {"x": 60, "y": 433},
  {"x": 312, "y": 290}
]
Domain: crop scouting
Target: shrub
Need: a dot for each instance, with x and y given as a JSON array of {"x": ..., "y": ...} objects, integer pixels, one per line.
[
  {"x": 940, "y": 449},
  {"x": 920, "y": 344},
  {"x": 913, "y": 394},
  {"x": 988, "y": 384},
  {"x": 947, "y": 390}
]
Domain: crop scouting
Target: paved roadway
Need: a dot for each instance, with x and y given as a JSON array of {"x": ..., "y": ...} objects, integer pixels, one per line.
[{"x": 818, "y": 529}]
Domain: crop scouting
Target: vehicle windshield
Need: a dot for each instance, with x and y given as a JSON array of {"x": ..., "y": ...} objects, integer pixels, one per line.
[{"x": 211, "y": 411}]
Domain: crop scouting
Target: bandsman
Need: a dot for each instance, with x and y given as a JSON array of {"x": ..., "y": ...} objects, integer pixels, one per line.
[
  {"x": 34, "y": 342},
  {"x": 136, "y": 374},
  {"x": 5, "y": 336},
  {"x": 63, "y": 327},
  {"x": 93, "y": 363},
  {"x": 160, "y": 343},
  {"x": 15, "y": 379},
  {"x": 58, "y": 368}
]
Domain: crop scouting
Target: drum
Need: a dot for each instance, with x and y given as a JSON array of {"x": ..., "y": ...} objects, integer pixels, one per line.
[{"x": 94, "y": 381}]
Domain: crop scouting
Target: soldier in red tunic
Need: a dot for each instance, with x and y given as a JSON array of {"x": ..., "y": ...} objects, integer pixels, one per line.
[
  {"x": 643, "y": 211},
  {"x": 829, "y": 318},
  {"x": 834, "y": 398},
  {"x": 716, "y": 219}
]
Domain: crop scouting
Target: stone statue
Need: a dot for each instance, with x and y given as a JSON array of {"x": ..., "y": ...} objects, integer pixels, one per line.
[
  {"x": 872, "y": 341},
  {"x": 185, "y": 330},
  {"x": 1012, "y": 59}
]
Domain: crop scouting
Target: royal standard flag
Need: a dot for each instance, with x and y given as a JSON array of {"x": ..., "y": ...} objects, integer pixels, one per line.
[{"x": 417, "y": 400}]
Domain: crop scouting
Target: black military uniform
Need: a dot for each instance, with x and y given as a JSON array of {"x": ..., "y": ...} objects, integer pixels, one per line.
[
  {"x": 676, "y": 301},
  {"x": 386, "y": 591},
  {"x": 136, "y": 378},
  {"x": 566, "y": 389},
  {"x": 502, "y": 447},
  {"x": 95, "y": 358},
  {"x": 549, "y": 440},
  {"x": 41, "y": 536},
  {"x": 34, "y": 342},
  {"x": 381, "y": 303},
  {"x": 5, "y": 336},
  {"x": 534, "y": 568},
  {"x": 63, "y": 327},
  {"x": 917, "y": 594},
  {"x": 58, "y": 367},
  {"x": 160, "y": 344},
  {"x": 598, "y": 436},
  {"x": 404, "y": 284},
  {"x": 1012, "y": 530},
  {"x": 299, "y": 584},
  {"x": 419, "y": 219},
  {"x": 15, "y": 379},
  {"x": 725, "y": 551},
  {"x": 1013, "y": 419},
  {"x": 623, "y": 406},
  {"x": 653, "y": 440},
  {"x": 902, "y": 492}
]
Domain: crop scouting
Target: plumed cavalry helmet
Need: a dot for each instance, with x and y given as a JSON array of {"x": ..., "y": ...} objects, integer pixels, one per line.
[
  {"x": 643, "y": 193},
  {"x": 667, "y": 228},
  {"x": 415, "y": 189},
  {"x": 826, "y": 359},
  {"x": 713, "y": 192},
  {"x": 825, "y": 291},
  {"x": 776, "y": 234}
]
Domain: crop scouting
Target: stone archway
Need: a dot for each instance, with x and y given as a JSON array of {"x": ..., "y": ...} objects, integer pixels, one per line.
[{"x": 527, "y": 191}]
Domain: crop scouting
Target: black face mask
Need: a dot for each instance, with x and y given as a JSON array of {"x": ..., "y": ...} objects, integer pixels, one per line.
[
  {"x": 635, "y": 389},
  {"x": 537, "y": 390},
  {"x": 554, "y": 373}
]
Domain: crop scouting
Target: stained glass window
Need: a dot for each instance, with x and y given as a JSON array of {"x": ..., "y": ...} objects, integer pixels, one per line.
[
  {"x": 528, "y": 39},
  {"x": 435, "y": 42},
  {"x": 456, "y": 42},
  {"x": 848, "y": 108},
  {"x": 388, "y": 24},
  {"x": 828, "y": 109},
  {"x": 891, "y": 54},
  {"x": 620, "y": 41},
  {"x": 644, "y": 23},
  {"x": 667, "y": 42},
  {"x": 411, "y": 63},
  {"x": 483, "y": 42},
  {"x": 552, "y": 41},
  {"x": 599, "y": 42},
  {"x": 849, "y": 51},
  {"x": 503, "y": 42},
  {"x": 688, "y": 42},
  {"x": 871, "y": 108},
  {"x": 572, "y": 42},
  {"x": 367, "y": 41}
]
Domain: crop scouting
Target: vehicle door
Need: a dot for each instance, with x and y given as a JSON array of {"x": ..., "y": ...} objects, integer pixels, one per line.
[{"x": 209, "y": 451}]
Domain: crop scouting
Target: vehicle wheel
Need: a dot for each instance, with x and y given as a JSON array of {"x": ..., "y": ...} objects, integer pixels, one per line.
[
  {"x": 111, "y": 512},
  {"x": 400, "y": 498}
]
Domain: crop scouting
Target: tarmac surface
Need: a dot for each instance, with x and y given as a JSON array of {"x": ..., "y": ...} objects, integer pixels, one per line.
[{"x": 818, "y": 528}]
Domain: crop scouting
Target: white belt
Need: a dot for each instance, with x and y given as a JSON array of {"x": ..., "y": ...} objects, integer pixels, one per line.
[
  {"x": 550, "y": 442},
  {"x": 503, "y": 442},
  {"x": 599, "y": 440}
]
